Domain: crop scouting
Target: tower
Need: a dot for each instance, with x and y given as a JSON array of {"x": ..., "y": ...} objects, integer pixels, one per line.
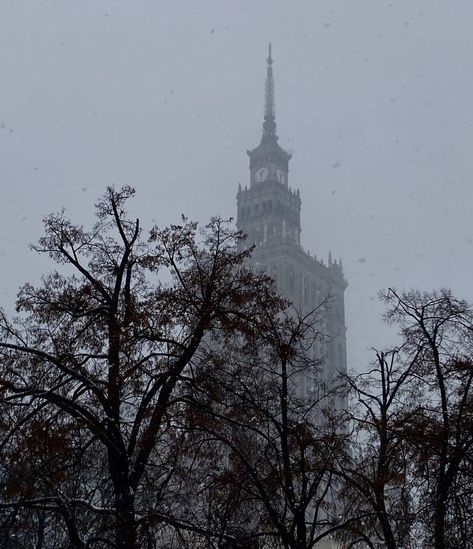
[{"x": 268, "y": 212}]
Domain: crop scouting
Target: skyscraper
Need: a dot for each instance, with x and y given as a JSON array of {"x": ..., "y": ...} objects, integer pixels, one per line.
[{"x": 269, "y": 213}]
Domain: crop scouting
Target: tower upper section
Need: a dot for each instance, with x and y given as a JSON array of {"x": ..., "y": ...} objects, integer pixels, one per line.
[
  {"x": 269, "y": 161},
  {"x": 269, "y": 214},
  {"x": 269, "y": 211}
]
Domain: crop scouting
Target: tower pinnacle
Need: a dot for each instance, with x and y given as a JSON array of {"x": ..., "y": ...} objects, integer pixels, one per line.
[
  {"x": 268, "y": 154},
  {"x": 269, "y": 86},
  {"x": 269, "y": 125}
]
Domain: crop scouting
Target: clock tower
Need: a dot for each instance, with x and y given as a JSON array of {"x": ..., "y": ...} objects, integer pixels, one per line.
[
  {"x": 269, "y": 210},
  {"x": 269, "y": 214}
]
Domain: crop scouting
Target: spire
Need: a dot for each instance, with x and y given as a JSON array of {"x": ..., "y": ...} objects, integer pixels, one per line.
[
  {"x": 269, "y": 125},
  {"x": 269, "y": 147},
  {"x": 269, "y": 87}
]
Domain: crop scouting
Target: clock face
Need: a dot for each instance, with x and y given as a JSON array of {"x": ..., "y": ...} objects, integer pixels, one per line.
[
  {"x": 261, "y": 175},
  {"x": 280, "y": 176}
]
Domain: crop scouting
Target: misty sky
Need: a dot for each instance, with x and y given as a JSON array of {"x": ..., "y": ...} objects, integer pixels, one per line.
[{"x": 374, "y": 98}]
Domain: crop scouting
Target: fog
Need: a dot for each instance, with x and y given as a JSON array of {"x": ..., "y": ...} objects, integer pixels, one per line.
[{"x": 374, "y": 98}]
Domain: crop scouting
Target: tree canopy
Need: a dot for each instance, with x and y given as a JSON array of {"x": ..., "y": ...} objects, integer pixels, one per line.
[{"x": 157, "y": 392}]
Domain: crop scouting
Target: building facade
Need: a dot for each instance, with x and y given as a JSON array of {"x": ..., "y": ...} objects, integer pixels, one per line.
[{"x": 268, "y": 212}]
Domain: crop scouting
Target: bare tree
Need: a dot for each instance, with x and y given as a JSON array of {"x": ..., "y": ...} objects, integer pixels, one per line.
[
  {"x": 375, "y": 469},
  {"x": 437, "y": 329},
  {"x": 109, "y": 347},
  {"x": 271, "y": 416},
  {"x": 410, "y": 461}
]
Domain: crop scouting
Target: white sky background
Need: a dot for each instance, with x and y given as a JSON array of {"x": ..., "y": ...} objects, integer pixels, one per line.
[{"x": 374, "y": 97}]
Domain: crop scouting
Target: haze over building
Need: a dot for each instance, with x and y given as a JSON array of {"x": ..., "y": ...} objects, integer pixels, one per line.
[{"x": 269, "y": 213}]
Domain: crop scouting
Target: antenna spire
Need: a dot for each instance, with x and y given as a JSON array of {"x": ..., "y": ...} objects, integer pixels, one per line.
[
  {"x": 269, "y": 125},
  {"x": 269, "y": 86}
]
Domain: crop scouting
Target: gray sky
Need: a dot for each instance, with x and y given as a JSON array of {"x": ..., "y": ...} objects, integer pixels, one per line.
[{"x": 374, "y": 97}]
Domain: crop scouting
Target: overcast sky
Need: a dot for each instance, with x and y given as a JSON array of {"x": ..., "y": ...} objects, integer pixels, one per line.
[{"x": 373, "y": 97}]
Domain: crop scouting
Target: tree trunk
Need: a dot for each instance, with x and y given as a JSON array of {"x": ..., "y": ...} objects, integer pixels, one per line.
[
  {"x": 125, "y": 527},
  {"x": 41, "y": 527},
  {"x": 125, "y": 523},
  {"x": 390, "y": 542},
  {"x": 439, "y": 522},
  {"x": 301, "y": 530}
]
